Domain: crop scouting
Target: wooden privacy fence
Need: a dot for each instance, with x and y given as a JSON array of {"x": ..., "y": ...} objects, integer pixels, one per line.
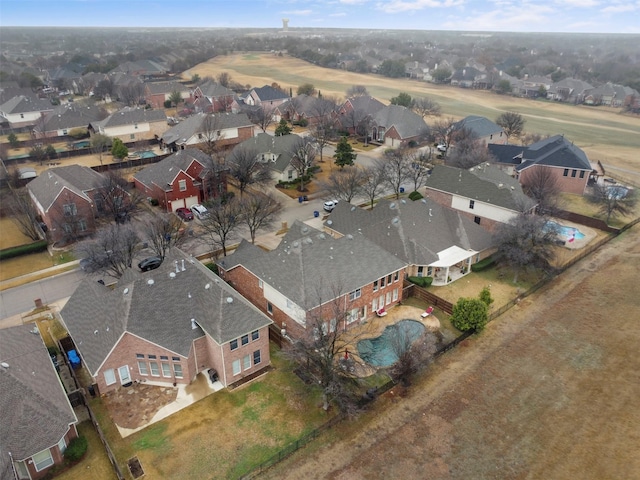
[{"x": 413, "y": 290}]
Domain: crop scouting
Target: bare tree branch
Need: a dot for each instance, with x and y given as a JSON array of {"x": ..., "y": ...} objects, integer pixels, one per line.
[{"x": 259, "y": 211}]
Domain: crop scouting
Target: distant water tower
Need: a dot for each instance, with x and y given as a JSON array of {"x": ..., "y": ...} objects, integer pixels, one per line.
[{"x": 285, "y": 24}]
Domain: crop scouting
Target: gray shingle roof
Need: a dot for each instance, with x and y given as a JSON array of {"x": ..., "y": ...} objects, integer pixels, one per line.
[
  {"x": 212, "y": 89},
  {"x": 129, "y": 116},
  {"x": 480, "y": 126},
  {"x": 366, "y": 104},
  {"x": 412, "y": 231},
  {"x": 407, "y": 123},
  {"x": 484, "y": 183},
  {"x": 555, "y": 151},
  {"x": 71, "y": 116},
  {"x": 268, "y": 93},
  {"x": 35, "y": 410},
  {"x": 157, "y": 88},
  {"x": 158, "y": 307},
  {"x": 309, "y": 267},
  {"x": 282, "y": 145},
  {"x": 79, "y": 179},
  {"x": 164, "y": 172},
  {"x": 24, "y": 104},
  {"x": 195, "y": 124},
  {"x": 507, "y": 154}
]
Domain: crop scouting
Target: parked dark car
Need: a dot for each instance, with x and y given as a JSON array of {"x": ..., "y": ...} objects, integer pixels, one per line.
[
  {"x": 150, "y": 263},
  {"x": 185, "y": 214}
]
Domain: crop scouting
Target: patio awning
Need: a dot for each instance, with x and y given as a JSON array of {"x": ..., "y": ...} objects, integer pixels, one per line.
[{"x": 451, "y": 256}]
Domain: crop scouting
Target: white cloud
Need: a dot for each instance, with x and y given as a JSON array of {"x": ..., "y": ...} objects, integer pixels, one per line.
[
  {"x": 397, "y": 6},
  {"x": 341, "y": 14},
  {"x": 353, "y": 2},
  {"x": 627, "y": 7},
  {"x": 298, "y": 12}
]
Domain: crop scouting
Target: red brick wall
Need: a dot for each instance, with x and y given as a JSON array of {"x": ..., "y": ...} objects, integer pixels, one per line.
[
  {"x": 55, "y": 218},
  {"x": 566, "y": 184},
  {"x": 441, "y": 198},
  {"x": 55, "y": 453}
]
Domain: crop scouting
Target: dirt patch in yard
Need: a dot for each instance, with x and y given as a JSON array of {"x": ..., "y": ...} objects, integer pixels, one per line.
[
  {"x": 544, "y": 392},
  {"x": 134, "y": 406}
]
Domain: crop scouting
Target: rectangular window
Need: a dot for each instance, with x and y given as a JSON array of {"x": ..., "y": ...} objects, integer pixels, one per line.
[
  {"x": 382, "y": 282},
  {"x": 139, "y": 355},
  {"x": 260, "y": 284},
  {"x": 135, "y": 126},
  {"x": 256, "y": 357},
  {"x": 62, "y": 445},
  {"x": 375, "y": 286},
  {"x": 109, "y": 376},
  {"x": 429, "y": 271},
  {"x": 566, "y": 172},
  {"x": 352, "y": 315},
  {"x": 471, "y": 204},
  {"x": 395, "y": 295},
  {"x": 132, "y": 136},
  {"x": 236, "y": 367},
  {"x": 476, "y": 219},
  {"x": 155, "y": 371},
  {"x": 142, "y": 368},
  {"x": 246, "y": 362},
  {"x": 233, "y": 344},
  {"x": 289, "y": 174},
  {"x": 82, "y": 225},
  {"x": 255, "y": 335},
  {"x": 69, "y": 209},
  {"x": 420, "y": 271},
  {"x": 374, "y": 304},
  {"x": 244, "y": 340},
  {"x": 388, "y": 298},
  {"x": 65, "y": 132},
  {"x": 175, "y": 359},
  {"x": 389, "y": 278},
  {"x": 355, "y": 294},
  {"x": 573, "y": 173},
  {"x": 269, "y": 308},
  {"x": 182, "y": 185},
  {"x": 396, "y": 276},
  {"x": 581, "y": 173},
  {"x": 177, "y": 370},
  {"x": 166, "y": 369},
  {"x": 152, "y": 357},
  {"x": 42, "y": 460}
]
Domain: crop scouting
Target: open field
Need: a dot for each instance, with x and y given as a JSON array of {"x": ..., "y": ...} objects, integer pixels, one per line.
[
  {"x": 603, "y": 133},
  {"x": 546, "y": 391}
]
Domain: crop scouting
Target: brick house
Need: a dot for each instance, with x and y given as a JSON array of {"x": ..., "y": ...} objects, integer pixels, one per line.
[
  {"x": 357, "y": 110},
  {"x": 485, "y": 194},
  {"x": 181, "y": 180},
  {"x": 23, "y": 110},
  {"x": 398, "y": 126},
  {"x": 267, "y": 97},
  {"x": 431, "y": 240},
  {"x": 483, "y": 129},
  {"x": 166, "y": 326},
  {"x": 156, "y": 93},
  {"x": 65, "y": 118},
  {"x": 37, "y": 422},
  {"x": 309, "y": 273},
  {"x": 132, "y": 125},
  {"x": 218, "y": 96},
  {"x": 65, "y": 198},
  {"x": 224, "y": 129},
  {"x": 276, "y": 152}
]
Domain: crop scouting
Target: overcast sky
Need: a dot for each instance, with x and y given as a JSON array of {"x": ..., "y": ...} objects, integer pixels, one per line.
[{"x": 596, "y": 16}]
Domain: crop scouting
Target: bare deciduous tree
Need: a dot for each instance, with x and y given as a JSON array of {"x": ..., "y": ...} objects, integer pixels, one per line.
[
  {"x": 396, "y": 166},
  {"x": 357, "y": 91},
  {"x": 425, "y": 106},
  {"x": 246, "y": 168},
  {"x": 418, "y": 173},
  {"x": 163, "y": 231},
  {"x": 99, "y": 145},
  {"x": 224, "y": 79},
  {"x": 261, "y": 116},
  {"x": 24, "y": 214},
  {"x": 112, "y": 251},
  {"x": 344, "y": 184},
  {"x": 613, "y": 200},
  {"x": 413, "y": 354},
  {"x": 131, "y": 93},
  {"x": 373, "y": 182},
  {"x": 541, "y": 184},
  {"x": 303, "y": 156},
  {"x": 210, "y": 130},
  {"x": 222, "y": 220},
  {"x": 113, "y": 197},
  {"x": 259, "y": 211},
  {"x": 444, "y": 130},
  {"x": 512, "y": 123}
]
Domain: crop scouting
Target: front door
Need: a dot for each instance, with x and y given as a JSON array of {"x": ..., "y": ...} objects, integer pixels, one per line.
[{"x": 124, "y": 374}]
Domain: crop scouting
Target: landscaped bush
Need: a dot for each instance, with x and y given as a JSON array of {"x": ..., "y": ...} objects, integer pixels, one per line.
[
  {"x": 213, "y": 267},
  {"x": 167, "y": 104},
  {"x": 421, "y": 281},
  {"x": 303, "y": 122},
  {"x": 469, "y": 313},
  {"x": 79, "y": 133},
  {"x": 23, "y": 249},
  {"x": 76, "y": 449},
  {"x": 415, "y": 195},
  {"x": 483, "y": 264},
  {"x": 154, "y": 202}
]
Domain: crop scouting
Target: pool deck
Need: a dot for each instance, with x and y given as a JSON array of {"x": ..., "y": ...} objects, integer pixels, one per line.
[
  {"x": 576, "y": 244},
  {"x": 374, "y": 328}
]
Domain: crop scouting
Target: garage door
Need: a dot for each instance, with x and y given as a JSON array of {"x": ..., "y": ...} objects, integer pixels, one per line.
[
  {"x": 176, "y": 204},
  {"x": 191, "y": 201}
]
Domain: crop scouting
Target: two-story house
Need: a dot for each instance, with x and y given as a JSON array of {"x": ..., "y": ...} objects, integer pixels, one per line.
[
  {"x": 218, "y": 96},
  {"x": 23, "y": 110},
  {"x": 156, "y": 93},
  {"x": 166, "y": 326},
  {"x": 66, "y": 118},
  {"x": 483, "y": 129},
  {"x": 398, "y": 126},
  {"x": 313, "y": 277},
  {"x": 275, "y": 152},
  {"x": 37, "y": 422},
  {"x": 132, "y": 125},
  {"x": 182, "y": 180}
]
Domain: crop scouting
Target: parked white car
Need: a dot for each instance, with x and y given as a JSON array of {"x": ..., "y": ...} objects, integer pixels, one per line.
[
  {"x": 199, "y": 211},
  {"x": 442, "y": 147},
  {"x": 329, "y": 205}
]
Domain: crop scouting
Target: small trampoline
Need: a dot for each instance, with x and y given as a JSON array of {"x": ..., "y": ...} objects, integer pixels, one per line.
[{"x": 380, "y": 351}]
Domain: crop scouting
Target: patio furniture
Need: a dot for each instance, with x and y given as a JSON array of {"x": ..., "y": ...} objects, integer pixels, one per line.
[
  {"x": 427, "y": 312},
  {"x": 381, "y": 312}
]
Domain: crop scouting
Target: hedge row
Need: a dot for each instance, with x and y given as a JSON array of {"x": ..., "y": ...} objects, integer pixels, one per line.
[
  {"x": 483, "y": 264},
  {"x": 421, "y": 281},
  {"x": 34, "y": 247}
]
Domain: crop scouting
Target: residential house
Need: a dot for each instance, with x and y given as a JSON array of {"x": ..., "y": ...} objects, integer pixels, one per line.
[
  {"x": 468, "y": 77},
  {"x": 507, "y": 157},
  {"x": 568, "y": 163},
  {"x": 223, "y": 129},
  {"x": 311, "y": 273},
  {"x": 484, "y": 193},
  {"x": 277, "y": 152},
  {"x": 569, "y": 90},
  {"x": 182, "y": 180},
  {"x": 23, "y": 110},
  {"x": 356, "y": 112},
  {"x": 304, "y": 108},
  {"x": 65, "y": 118},
  {"x": 398, "y": 126},
  {"x": 415, "y": 70},
  {"x": 66, "y": 77},
  {"x": 132, "y": 125},
  {"x": 67, "y": 200},
  {"x": 431, "y": 240},
  {"x": 144, "y": 69},
  {"x": 267, "y": 97},
  {"x": 166, "y": 326},
  {"x": 219, "y": 97},
  {"x": 37, "y": 422},
  {"x": 156, "y": 93},
  {"x": 532, "y": 86},
  {"x": 611, "y": 95},
  {"x": 483, "y": 129}
]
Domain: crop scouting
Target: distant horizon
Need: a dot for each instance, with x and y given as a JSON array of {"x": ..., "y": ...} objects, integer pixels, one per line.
[{"x": 490, "y": 16}]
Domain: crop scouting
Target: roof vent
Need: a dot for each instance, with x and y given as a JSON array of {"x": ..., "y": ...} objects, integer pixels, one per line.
[
  {"x": 349, "y": 236},
  {"x": 500, "y": 185},
  {"x": 403, "y": 201},
  {"x": 430, "y": 213},
  {"x": 175, "y": 262},
  {"x": 424, "y": 200},
  {"x": 95, "y": 332},
  {"x": 172, "y": 274},
  {"x": 207, "y": 286},
  {"x": 392, "y": 205},
  {"x": 125, "y": 291},
  {"x": 296, "y": 244},
  {"x": 189, "y": 294},
  {"x": 353, "y": 208},
  {"x": 150, "y": 281},
  {"x": 229, "y": 299},
  {"x": 329, "y": 222},
  {"x": 304, "y": 229},
  {"x": 193, "y": 324},
  {"x": 395, "y": 220},
  {"x": 183, "y": 269},
  {"x": 4, "y": 365}
]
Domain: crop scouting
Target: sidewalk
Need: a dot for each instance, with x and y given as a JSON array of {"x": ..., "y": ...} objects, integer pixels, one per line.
[{"x": 33, "y": 276}]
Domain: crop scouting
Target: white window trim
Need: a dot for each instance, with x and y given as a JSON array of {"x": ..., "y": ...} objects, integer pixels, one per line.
[
  {"x": 141, "y": 364},
  {"x": 165, "y": 373},
  {"x": 39, "y": 465},
  {"x": 62, "y": 445},
  {"x": 237, "y": 367},
  {"x": 110, "y": 375}
]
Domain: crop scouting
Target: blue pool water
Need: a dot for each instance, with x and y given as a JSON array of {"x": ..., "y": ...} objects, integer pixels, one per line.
[
  {"x": 566, "y": 233},
  {"x": 380, "y": 352},
  {"x": 146, "y": 154}
]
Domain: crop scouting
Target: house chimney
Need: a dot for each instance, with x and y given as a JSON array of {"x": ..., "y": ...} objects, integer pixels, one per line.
[
  {"x": 193, "y": 324},
  {"x": 183, "y": 269},
  {"x": 176, "y": 264}
]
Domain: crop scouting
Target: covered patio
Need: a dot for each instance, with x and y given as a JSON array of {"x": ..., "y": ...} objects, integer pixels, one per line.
[{"x": 453, "y": 263}]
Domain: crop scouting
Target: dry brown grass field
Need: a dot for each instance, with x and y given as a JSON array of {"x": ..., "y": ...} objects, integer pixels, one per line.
[{"x": 603, "y": 133}]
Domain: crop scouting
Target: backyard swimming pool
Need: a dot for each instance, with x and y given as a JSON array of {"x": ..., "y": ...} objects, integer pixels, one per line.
[
  {"x": 566, "y": 233},
  {"x": 380, "y": 351}
]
